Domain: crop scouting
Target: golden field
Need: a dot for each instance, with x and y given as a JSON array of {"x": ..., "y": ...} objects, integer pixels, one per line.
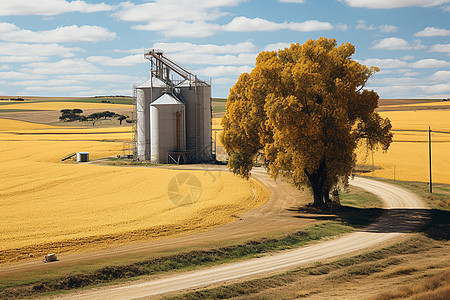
[
  {"x": 408, "y": 154},
  {"x": 53, "y": 206}
]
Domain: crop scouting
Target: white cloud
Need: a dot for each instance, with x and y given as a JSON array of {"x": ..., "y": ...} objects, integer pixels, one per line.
[
  {"x": 415, "y": 91},
  {"x": 99, "y": 77},
  {"x": 243, "y": 53},
  {"x": 208, "y": 59},
  {"x": 188, "y": 18},
  {"x": 432, "y": 31},
  {"x": 58, "y": 89},
  {"x": 191, "y": 18},
  {"x": 410, "y": 73},
  {"x": 429, "y": 63},
  {"x": 12, "y": 33},
  {"x": 65, "y": 66},
  {"x": 13, "y": 75},
  {"x": 341, "y": 27},
  {"x": 440, "y": 48},
  {"x": 189, "y": 53},
  {"x": 388, "y": 28},
  {"x": 407, "y": 57},
  {"x": 394, "y": 43},
  {"x": 223, "y": 71},
  {"x": 5, "y": 67},
  {"x": 50, "y": 82},
  {"x": 21, "y": 59},
  {"x": 48, "y": 7},
  {"x": 440, "y": 76},
  {"x": 379, "y": 4},
  {"x": 18, "y": 49},
  {"x": 130, "y": 51},
  {"x": 277, "y": 46},
  {"x": 244, "y": 24},
  {"x": 243, "y": 47},
  {"x": 362, "y": 25},
  {"x": 388, "y": 63},
  {"x": 436, "y": 85},
  {"x": 129, "y": 60},
  {"x": 178, "y": 28}
]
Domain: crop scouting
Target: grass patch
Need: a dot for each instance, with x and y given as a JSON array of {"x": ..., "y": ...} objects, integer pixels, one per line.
[
  {"x": 360, "y": 198},
  {"x": 431, "y": 288},
  {"x": 112, "y": 100},
  {"x": 401, "y": 272},
  {"x": 183, "y": 261}
]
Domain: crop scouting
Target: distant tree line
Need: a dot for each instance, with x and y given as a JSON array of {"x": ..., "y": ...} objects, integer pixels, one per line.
[{"x": 70, "y": 115}]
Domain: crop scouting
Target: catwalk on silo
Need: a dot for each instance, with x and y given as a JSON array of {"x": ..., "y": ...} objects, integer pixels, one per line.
[{"x": 173, "y": 114}]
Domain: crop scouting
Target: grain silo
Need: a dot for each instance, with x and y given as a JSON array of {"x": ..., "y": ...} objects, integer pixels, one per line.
[{"x": 173, "y": 114}]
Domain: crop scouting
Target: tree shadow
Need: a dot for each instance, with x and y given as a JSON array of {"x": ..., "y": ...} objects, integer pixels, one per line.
[{"x": 434, "y": 223}]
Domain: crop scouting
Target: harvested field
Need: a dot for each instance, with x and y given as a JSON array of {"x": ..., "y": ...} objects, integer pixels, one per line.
[
  {"x": 53, "y": 206},
  {"x": 408, "y": 154}
]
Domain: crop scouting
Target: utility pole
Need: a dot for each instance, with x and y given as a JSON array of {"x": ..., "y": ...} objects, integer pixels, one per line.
[
  {"x": 394, "y": 173},
  {"x": 429, "y": 157}
]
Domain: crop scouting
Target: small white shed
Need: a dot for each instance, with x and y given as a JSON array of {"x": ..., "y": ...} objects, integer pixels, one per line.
[{"x": 82, "y": 156}]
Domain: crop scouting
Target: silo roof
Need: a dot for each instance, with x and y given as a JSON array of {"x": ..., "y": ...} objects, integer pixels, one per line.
[
  {"x": 166, "y": 99},
  {"x": 156, "y": 83}
]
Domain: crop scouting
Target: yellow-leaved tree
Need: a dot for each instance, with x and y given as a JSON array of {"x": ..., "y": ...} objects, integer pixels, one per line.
[{"x": 305, "y": 108}]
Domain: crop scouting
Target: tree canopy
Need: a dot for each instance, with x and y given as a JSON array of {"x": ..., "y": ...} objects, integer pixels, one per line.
[{"x": 305, "y": 108}]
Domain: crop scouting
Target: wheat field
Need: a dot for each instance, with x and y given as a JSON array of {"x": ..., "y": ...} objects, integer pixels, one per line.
[
  {"x": 52, "y": 206},
  {"x": 407, "y": 157}
]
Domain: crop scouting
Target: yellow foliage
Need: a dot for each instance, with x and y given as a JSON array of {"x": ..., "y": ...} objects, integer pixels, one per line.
[
  {"x": 305, "y": 107},
  {"x": 49, "y": 205}
]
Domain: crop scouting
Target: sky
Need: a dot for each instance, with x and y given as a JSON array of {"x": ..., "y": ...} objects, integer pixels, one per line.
[{"x": 93, "y": 48}]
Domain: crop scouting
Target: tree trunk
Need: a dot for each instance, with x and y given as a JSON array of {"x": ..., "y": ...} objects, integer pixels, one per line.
[
  {"x": 317, "y": 181},
  {"x": 326, "y": 195}
]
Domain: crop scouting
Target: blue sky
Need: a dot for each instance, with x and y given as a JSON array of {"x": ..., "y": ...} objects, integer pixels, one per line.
[{"x": 88, "y": 48}]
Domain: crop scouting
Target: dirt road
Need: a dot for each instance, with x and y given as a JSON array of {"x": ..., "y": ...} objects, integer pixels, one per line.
[{"x": 407, "y": 208}]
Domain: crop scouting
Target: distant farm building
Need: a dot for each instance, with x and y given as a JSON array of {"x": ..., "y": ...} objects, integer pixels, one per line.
[{"x": 173, "y": 114}]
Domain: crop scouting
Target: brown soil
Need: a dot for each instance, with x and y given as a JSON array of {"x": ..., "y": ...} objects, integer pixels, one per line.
[
  {"x": 393, "y": 104},
  {"x": 51, "y": 117}
]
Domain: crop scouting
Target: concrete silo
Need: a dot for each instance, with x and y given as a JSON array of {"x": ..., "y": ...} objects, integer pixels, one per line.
[{"x": 173, "y": 100}]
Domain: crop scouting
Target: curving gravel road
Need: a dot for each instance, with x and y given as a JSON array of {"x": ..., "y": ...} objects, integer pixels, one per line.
[{"x": 406, "y": 211}]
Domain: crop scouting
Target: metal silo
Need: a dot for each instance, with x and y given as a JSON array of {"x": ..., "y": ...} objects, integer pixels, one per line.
[
  {"x": 146, "y": 93},
  {"x": 168, "y": 137},
  {"x": 197, "y": 96},
  {"x": 171, "y": 82}
]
